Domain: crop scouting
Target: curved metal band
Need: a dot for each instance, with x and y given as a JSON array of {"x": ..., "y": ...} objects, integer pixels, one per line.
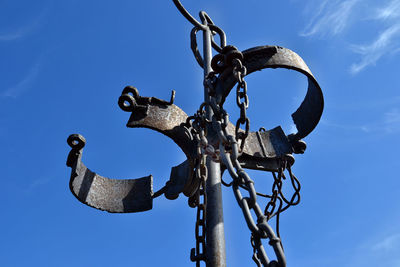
[
  {"x": 170, "y": 120},
  {"x": 307, "y": 116},
  {"x": 112, "y": 195},
  {"x": 260, "y": 151},
  {"x": 167, "y": 119},
  {"x": 133, "y": 195}
]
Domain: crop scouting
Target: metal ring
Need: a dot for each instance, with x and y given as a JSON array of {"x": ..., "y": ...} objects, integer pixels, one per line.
[
  {"x": 130, "y": 90},
  {"x": 218, "y": 63},
  {"x": 194, "y": 47},
  {"x": 126, "y": 102},
  {"x": 76, "y": 141},
  {"x": 307, "y": 116}
]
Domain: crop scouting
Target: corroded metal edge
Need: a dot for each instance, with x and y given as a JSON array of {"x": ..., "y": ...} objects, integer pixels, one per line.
[
  {"x": 307, "y": 116},
  {"x": 112, "y": 195},
  {"x": 170, "y": 120}
]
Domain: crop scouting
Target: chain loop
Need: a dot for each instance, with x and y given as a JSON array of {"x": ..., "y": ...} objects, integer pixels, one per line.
[
  {"x": 198, "y": 254},
  {"x": 229, "y": 150},
  {"x": 197, "y": 125},
  {"x": 234, "y": 57}
]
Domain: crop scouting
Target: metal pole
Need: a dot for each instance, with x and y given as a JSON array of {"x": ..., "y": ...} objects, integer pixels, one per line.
[{"x": 215, "y": 237}]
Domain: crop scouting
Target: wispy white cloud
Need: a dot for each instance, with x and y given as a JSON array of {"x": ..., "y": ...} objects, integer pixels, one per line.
[
  {"x": 390, "y": 11},
  {"x": 23, "y": 31},
  {"x": 377, "y": 252},
  {"x": 25, "y": 83},
  {"x": 330, "y": 18},
  {"x": 36, "y": 184},
  {"x": 392, "y": 121},
  {"x": 389, "y": 123},
  {"x": 389, "y": 243},
  {"x": 375, "y": 103},
  {"x": 352, "y": 127},
  {"x": 385, "y": 43},
  {"x": 17, "y": 34},
  {"x": 378, "y": 48}
]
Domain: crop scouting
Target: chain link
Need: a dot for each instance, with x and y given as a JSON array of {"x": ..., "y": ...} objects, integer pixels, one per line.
[
  {"x": 231, "y": 147},
  {"x": 259, "y": 227},
  {"x": 231, "y": 57},
  {"x": 242, "y": 101},
  {"x": 255, "y": 257},
  {"x": 198, "y": 129},
  {"x": 198, "y": 254}
]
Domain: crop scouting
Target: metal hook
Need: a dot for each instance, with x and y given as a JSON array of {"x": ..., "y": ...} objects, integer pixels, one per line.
[
  {"x": 187, "y": 15},
  {"x": 205, "y": 18},
  {"x": 207, "y": 24}
]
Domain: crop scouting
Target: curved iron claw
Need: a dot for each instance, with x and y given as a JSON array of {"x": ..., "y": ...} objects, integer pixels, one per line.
[
  {"x": 116, "y": 196},
  {"x": 307, "y": 116},
  {"x": 261, "y": 150}
]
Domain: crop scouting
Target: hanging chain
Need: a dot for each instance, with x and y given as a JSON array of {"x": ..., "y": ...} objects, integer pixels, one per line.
[
  {"x": 242, "y": 101},
  {"x": 231, "y": 147},
  {"x": 255, "y": 257},
  {"x": 260, "y": 229},
  {"x": 197, "y": 125},
  {"x": 198, "y": 254},
  {"x": 277, "y": 194},
  {"x": 231, "y": 57}
]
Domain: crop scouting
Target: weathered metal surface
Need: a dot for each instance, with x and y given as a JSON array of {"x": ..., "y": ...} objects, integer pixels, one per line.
[
  {"x": 112, "y": 195},
  {"x": 179, "y": 181},
  {"x": 307, "y": 116},
  {"x": 212, "y": 144},
  {"x": 263, "y": 149},
  {"x": 170, "y": 120},
  {"x": 159, "y": 115},
  {"x": 214, "y": 221}
]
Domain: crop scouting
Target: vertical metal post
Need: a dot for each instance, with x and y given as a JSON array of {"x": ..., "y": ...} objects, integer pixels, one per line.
[{"x": 215, "y": 237}]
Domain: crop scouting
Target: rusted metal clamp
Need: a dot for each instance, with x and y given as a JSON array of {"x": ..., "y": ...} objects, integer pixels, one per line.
[
  {"x": 262, "y": 150},
  {"x": 307, "y": 116},
  {"x": 133, "y": 195}
]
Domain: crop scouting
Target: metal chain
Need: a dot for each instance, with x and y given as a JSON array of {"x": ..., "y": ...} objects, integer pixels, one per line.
[
  {"x": 259, "y": 228},
  {"x": 231, "y": 57},
  {"x": 255, "y": 256},
  {"x": 242, "y": 101},
  {"x": 230, "y": 150},
  {"x": 214, "y": 30},
  {"x": 197, "y": 124},
  {"x": 278, "y": 194},
  {"x": 198, "y": 254}
]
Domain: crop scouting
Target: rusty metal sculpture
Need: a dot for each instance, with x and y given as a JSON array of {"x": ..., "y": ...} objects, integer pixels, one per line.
[{"x": 212, "y": 144}]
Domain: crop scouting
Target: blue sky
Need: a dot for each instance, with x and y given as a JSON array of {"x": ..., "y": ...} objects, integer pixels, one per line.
[{"x": 63, "y": 65}]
